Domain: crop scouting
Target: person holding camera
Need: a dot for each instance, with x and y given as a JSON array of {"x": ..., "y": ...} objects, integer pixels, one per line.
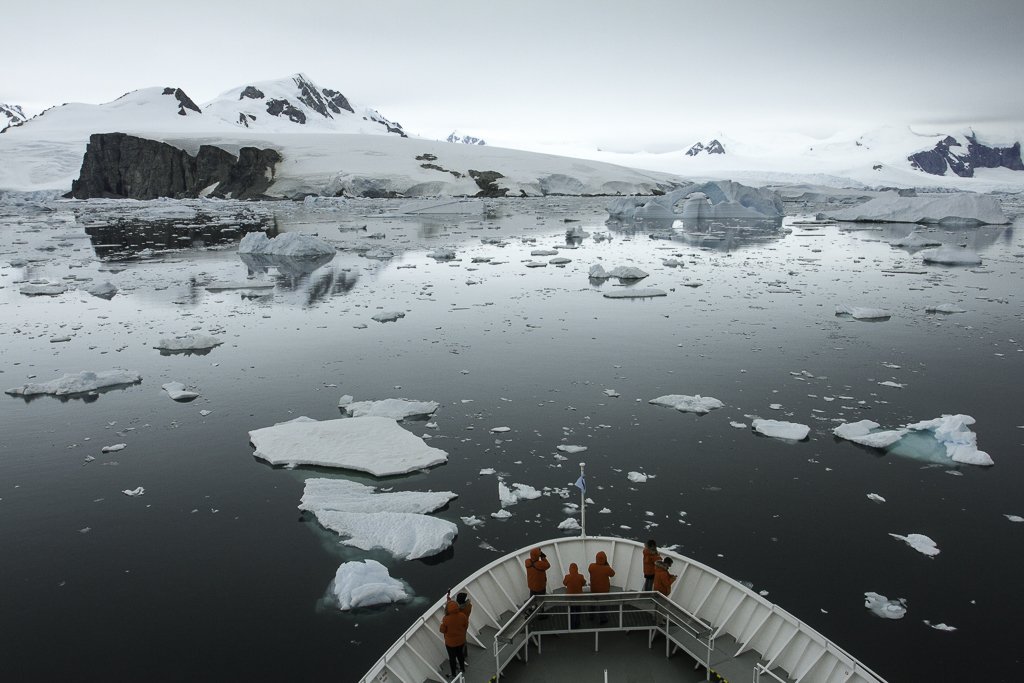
[{"x": 537, "y": 572}]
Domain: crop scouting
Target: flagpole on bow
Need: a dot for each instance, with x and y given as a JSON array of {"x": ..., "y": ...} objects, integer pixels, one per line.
[{"x": 583, "y": 503}]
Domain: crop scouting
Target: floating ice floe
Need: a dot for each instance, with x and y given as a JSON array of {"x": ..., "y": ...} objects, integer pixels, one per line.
[
  {"x": 114, "y": 448},
  {"x": 953, "y": 432},
  {"x": 688, "y": 404},
  {"x": 510, "y": 495},
  {"x": 388, "y": 316},
  {"x": 920, "y": 543},
  {"x": 134, "y": 492},
  {"x": 377, "y": 445},
  {"x": 103, "y": 290},
  {"x": 634, "y": 293},
  {"x": 501, "y": 514},
  {"x": 395, "y": 408},
  {"x": 565, "y": 448},
  {"x": 341, "y": 495},
  {"x": 442, "y": 254},
  {"x": 44, "y": 289},
  {"x": 569, "y": 524},
  {"x": 945, "y": 308},
  {"x": 544, "y": 252},
  {"x": 1014, "y": 518},
  {"x": 364, "y": 584},
  {"x": 294, "y": 244},
  {"x": 405, "y": 535},
  {"x": 500, "y": 430},
  {"x": 189, "y": 342},
  {"x": 876, "y": 498},
  {"x": 863, "y": 313},
  {"x": 861, "y": 432},
  {"x": 722, "y": 199},
  {"x": 472, "y": 521},
  {"x": 884, "y": 607},
  {"x": 611, "y": 393},
  {"x": 78, "y": 383},
  {"x": 939, "y": 627},
  {"x": 790, "y": 431},
  {"x": 177, "y": 391},
  {"x": 951, "y": 256},
  {"x": 915, "y": 240},
  {"x": 597, "y": 272},
  {"x": 959, "y": 208},
  {"x": 637, "y": 477}
]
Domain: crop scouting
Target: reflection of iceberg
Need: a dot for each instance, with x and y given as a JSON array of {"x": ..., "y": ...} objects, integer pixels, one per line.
[
  {"x": 291, "y": 266},
  {"x": 698, "y": 201}
]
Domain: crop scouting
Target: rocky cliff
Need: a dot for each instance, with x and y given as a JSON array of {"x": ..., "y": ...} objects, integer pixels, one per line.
[
  {"x": 949, "y": 153},
  {"x": 117, "y": 165}
]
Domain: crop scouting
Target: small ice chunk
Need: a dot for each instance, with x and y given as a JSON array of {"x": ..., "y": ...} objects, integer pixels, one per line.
[
  {"x": 863, "y": 312},
  {"x": 688, "y": 404},
  {"x": 366, "y": 583},
  {"x": 78, "y": 383},
  {"x": 103, "y": 290},
  {"x": 1014, "y": 518},
  {"x": 501, "y": 430},
  {"x": 177, "y": 391},
  {"x": 395, "y": 408},
  {"x": 634, "y": 293},
  {"x": 637, "y": 477},
  {"x": 565, "y": 448},
  {"x": 944, "y": 308},
  {"x": 501, "y": 514},
  {"x": 114, "y": 448},
  {"x": 781, "y": 430},
  {"x": 134, "y": 492},
  {"x": 486, "y": 471},
  {"x": 597, "y": 272},
  {"x": 322, "y": 494},
  {"x": 544, "y": 252},
  {"x": 890, "y": 383},
  {"x": 473, "y": 521},
  {"x": 920, "y": 543},
  {"x": 44, "y": 289},
  {"x": 510, "y": 495},
  {"x": 738, "y": 425},
  {"x": 442, "y": 254},
  {"x": 940, "y": 627},
  {"x": 188, "y": 342},
  {"x": 569, "y": 524},
  {"x": 951, "y": 256},
  {"x": 884, "y": 607},
  {"x": 627, "y": 273},
  {"x": 294, "y": 244},
  {"x": 611, "y": 393},
  {"x": 876, "y": 498},
  {"x": 388, "y": 316}
]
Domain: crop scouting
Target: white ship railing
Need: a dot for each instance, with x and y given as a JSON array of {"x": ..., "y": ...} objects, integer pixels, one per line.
[{"x": 783, "y": 643}]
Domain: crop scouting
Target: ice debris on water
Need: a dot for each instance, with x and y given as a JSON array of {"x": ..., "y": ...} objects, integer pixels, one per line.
[
  {"x": 920, "y": 543},
  {"x": 364, "y": 584},
  {"x": 939, "y": 627},
  {"x": 44, "y": 289},
  {"x": 569, "y": 524},
  {"x": 566, "y": 448},
  {"x": 407, "y": 536},
  {"x": 876, "y": 498},
  {"x": 637, "y": 477},
  {"x": 953, "y": 432},
  {"x": 294, "y": 244},
  {"x": 341, "y": 495},
  {"x": 1014, "y": 518},
  {"x": 188, "y": 342},
  {"x": 635, "y": 293},
  {"x": 688, "y": 404},
  {"x": 861, "y": 433},
  {"x": 177, "y": 391},
  {"x": 884, "y": 607},
  {"x": 789, "y": 431},
  {"x": 102, "y": 290},
  {"x": 78, "y": 383},
  {"x": 388, "y": 316},
  {"x": 114, "y": 448},
  {"x": 863, "y": 312},
  {"x": 510, "y": 495},
  {"x": 134, "y": 492},
  {"x": 944, "y": 308}
]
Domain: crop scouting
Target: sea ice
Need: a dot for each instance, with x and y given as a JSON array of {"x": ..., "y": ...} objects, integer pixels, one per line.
[
  {"x": 103, "y": 290},
  {"x": 510, "y": 495},
  {"x": 781, "y": 430},
  {"x": 884, "y": 607},
  {"x": 571, "y": 449},
  {"x": 294, "y": 244},
  {"x": 876, "y": 498},
  {"x": 569, "y": 524},
  {"x": 79, "y": 383},
  {"x": 861, "y": 432},
  {"x": 637, "y": 477},
  {"x": 920, "y": 543},
  {"x": 377, "y": 445},
  {"x": 366, "y": 583},
  {"x": 114, "y": 448},
  {"x": 134, "y": 492},
  {"x": 863, "y": 313},
  {"x": 189, "y": 342},
  {"x": 1014, "y": 518},
  {"x": 945, "y": 308},
  {"x": 634, "y": 293},
  {"x": 959, "y": 208},
  {"x": 951, "y": 256},
  {"x": 44, "y": 289},
  {"x": 406, "y": 536},
  {"x": 688, "y": 404},
  {"x": 940, "y": 627},
  {"x": 177, "y": 391},
  {"x": 953, "y": 432},
  {"x": 395, "y": 408},
  {"x": 388, "y": 316},
  {"x": 341, "y": 495}
]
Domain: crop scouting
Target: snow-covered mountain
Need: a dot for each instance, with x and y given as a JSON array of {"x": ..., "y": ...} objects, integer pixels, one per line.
[
  {"x": 457, "y": 137},
  {"x": 10, "y": 115}
]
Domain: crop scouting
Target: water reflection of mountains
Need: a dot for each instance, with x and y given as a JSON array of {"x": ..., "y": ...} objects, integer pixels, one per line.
[
  {"x": 127, "y": 239},
  {"x": 311, "y": 276},
  {"x": 717, "y": 234}
]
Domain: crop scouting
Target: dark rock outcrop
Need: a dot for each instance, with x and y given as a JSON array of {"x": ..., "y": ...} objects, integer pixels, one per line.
[
  {"x": 695, "y": 150},
  {"x": 252, "y": 92},
  {"x": 464, "y": 139},
  {"x": 336, "y": 101},
  {"x": 949, "y": 153},
  {"x": 485, "y": 180},
  {"x": 117, "y": 165},
  {"x": 184, "y": 101},
  {"x": 713, "y": 147},
  {"x": 279, "y": 107}
]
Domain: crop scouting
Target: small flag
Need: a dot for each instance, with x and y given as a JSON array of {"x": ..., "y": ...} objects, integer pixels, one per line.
[{"x": 581, "y": 484}]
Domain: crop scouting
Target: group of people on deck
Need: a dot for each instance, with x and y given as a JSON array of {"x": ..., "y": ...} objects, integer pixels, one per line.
[{"x": 657, "y": 577}]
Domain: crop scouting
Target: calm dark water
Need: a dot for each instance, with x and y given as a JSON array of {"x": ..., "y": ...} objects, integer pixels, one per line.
[{"x": 214, "y": 574}]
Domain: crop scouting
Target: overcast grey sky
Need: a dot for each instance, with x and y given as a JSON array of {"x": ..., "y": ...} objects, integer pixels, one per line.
[{"x": 614, "y": 74}]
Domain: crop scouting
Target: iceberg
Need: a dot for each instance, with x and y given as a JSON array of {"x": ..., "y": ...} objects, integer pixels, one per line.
[
  {"x": 395, "y": 408},
  {"x": 781, "y": 430},
  {"x": 569, "y": 524},
  {"x": 959, "y": 208},
  {"x": 103, "y": 290},
  {"x": 377, "y": 445},
  {"x": 188, "y": 342},
  {"x": 688, "y": 404},
  {"x": 364, "y": 584},
  {"x": 177, "y": 392},
  {"x": 597, "y": 272},
  {"x": 884, "y": 607},
  {"x": 953, "y": 432},
  {"x": 920, "y": 543},
  {"x": 294, "y": 244},
  {"x": 571, "y": 449},
  {"x": 405, "y": 535},
  {"x": 510, "y": 495},
  {"x": 78, "y": 383},
  {"x": 341, "y": 495},
  {"x": 951, "y": 256},
  {"x": 712, "y": 200},
  {"x": 44, "y": 289}
]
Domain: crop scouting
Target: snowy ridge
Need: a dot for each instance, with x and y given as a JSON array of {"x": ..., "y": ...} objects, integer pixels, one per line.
[{"x": 11, "y": 115}]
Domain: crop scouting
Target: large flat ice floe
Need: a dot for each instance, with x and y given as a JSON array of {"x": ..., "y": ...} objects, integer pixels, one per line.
[
  {"x": 790, "y": 431},
  {"x": 884, "y": 607},
  {"x": 688, "y": 404},
  {"x": 294, "y": 244},
  {"x": 377, "y": 445},
  {"x": 951, "y": 256},
  {"x": 961, "y": 208},
  {"x": 636, "y": 293},
  {"x": 920, "y": 543},
  {"x": 395, "y": 408},
  {"x": 78, "y": 383},
  {"x": 406, "y": 536},
  {"x": 341, "y": 495},
  {"x": 364, "y": 584},
  {"x": 951, "y": 432},
  {"x": 178, "y": 392}
]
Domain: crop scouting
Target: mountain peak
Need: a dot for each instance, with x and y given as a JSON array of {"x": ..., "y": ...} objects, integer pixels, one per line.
[
  {"x": 457, "y": 137},
  {"x": 11, "y": 115}
]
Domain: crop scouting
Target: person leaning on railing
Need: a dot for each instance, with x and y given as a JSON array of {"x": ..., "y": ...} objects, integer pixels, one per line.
[{"x": 662, "y": 578}]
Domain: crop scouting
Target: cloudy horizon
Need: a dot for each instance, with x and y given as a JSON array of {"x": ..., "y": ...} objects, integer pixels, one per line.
[{"x": 528, "y": 73}]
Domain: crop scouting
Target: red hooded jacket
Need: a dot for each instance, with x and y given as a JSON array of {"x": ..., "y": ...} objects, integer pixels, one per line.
[
  {"x": 600, "y": 574},
  {"x": 574, "y": 581},
  {"x": 536, "y": 568},
  {"x": 454, "y": 625}
]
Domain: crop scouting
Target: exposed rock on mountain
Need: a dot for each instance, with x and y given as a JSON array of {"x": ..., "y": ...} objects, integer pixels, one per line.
[
  {"x": 11, "y": 115},
  {"x": 949, "y": 153},
  {"x": 184, "y": 101},
  {"x": 464, "y": 139},
  {"x": 713, "y": 147},
  {"x": 117, "y": 165}
]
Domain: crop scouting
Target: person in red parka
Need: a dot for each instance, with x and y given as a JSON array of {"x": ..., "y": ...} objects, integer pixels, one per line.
[
  {"x": 662, "y": 578},
  {"x": 600, "y": 578},
  {"x": 574, "y": 583},
  {"x": 536, "y": 572},
  {"x": 651, "y": 555},
  {"x": 454, "y": 627}
]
